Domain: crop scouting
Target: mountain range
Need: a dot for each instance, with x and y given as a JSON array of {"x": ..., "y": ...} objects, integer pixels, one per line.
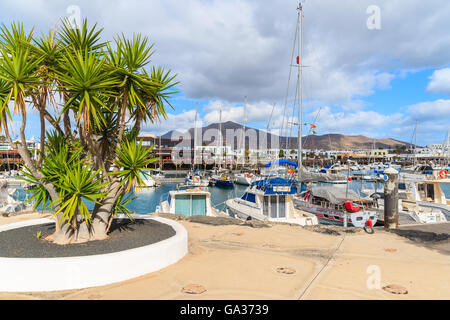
[{"x": 312, "y": 142}]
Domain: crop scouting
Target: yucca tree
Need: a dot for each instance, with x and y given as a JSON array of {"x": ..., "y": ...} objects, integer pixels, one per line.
[{"x": 95, "y": 97}]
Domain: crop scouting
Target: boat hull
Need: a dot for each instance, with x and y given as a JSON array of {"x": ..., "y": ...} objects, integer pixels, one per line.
[
  {"x": 224, "y": 183},
  {"x": 329, "y": 216}
]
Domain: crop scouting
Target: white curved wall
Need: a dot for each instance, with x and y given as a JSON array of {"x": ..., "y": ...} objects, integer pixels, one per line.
[{"x": 57, "y": 274}]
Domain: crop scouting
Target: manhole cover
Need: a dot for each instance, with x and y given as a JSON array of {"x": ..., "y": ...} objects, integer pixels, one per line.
[
  {"x": 390, "y": 250},
  {"x": 286, "y": 270},
  {"x": 395, "y": 289},
  {"x": 194, "y": 289}
]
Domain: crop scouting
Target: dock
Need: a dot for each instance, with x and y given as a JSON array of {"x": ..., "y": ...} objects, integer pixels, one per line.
[{"x": 171, "y": 180}]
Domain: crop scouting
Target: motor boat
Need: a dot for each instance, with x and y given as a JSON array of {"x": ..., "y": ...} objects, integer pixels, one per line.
[{"x": 270, "y": 199}]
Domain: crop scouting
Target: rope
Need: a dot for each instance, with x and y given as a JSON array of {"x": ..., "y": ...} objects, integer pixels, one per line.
[{"x": 329, "y": 259}]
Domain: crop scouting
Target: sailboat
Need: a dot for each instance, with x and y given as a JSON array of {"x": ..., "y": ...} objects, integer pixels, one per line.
[
  {"x": 271, "y": 198},
  {"x": 195, "y": 178},
  {"x": 339, "y": 210},
  {"x": 220, "y": 178},
  {"x": 245, "y": 177}
]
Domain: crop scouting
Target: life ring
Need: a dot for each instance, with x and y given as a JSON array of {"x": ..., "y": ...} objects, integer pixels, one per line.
[
  {"x": 443, "y": 174},
  {"x": 369, "y": 230}
]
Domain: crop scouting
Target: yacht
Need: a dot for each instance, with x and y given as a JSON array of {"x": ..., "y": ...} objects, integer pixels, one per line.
[
  {"x": 425, "y": 192},
  {"x": 270, "y": 199}
]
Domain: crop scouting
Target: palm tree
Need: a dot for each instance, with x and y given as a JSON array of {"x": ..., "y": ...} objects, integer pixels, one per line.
[{"x": 105, "y": 94}]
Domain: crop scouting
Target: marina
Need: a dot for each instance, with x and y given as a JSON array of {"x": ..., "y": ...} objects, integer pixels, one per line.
[{"x": 208, "y": 176}]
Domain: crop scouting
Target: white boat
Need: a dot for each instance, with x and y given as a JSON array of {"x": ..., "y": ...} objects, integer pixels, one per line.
[
  {"x": 423, "y": 193},
  {"x": 150, "y": 182},
  {"x": 196, "y": 180},
  {"x": 189, "y": 202},
  {"x": 245, "y": 178},
  {"x": 271, "y": 200},
  {"x": 10, "y": 205},
  {"x": 333, "y": 205}
]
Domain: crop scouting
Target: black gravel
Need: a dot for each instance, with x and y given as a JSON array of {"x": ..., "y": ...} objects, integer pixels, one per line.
[
  {"x": 214, "y": 221},
  {"x": 124, "y": 235},
  {"x": 422, "y": 236}
]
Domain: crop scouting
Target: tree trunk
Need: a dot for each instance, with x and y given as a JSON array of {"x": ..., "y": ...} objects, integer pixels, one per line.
[{"x": 79, "y": 232}]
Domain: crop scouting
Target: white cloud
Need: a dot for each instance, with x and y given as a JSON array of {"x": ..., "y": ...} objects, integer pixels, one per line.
[
  {"x": 179, "y": 122},
  {"x": 440, "y": 81},
  {"x": 369, "y": 123},
  {"x": 436, "y": 111},
  {"x": 226, "y": 50}
]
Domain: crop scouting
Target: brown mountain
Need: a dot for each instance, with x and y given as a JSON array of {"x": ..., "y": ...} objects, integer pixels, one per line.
[{"x": 324, "y": 142}]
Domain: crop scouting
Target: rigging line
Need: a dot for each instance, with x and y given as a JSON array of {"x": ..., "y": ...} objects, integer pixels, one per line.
[
  {"x": 293, "y": 113},
  {"x": 314, "y": 122},
  {"x": 289, "y": 77}
]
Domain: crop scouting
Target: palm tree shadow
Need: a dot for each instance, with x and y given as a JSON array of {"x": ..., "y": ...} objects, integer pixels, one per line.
[{"x": 123, "y": 225}]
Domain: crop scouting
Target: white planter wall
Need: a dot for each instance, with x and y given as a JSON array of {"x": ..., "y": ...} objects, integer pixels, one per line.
[{"x": 57, "y": 274}]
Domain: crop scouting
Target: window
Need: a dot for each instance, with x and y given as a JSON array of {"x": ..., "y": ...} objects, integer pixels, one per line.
[
  {"x": 189, "y": 205},
  {"x": 282, "y": 206},
  {"x": 266, "y": 206},
  {"x": 273, "y": 207},
  {"x": 249, "y": 197}
]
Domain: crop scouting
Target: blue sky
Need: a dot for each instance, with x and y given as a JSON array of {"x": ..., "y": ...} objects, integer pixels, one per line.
[{"x": 375, "y": 82}]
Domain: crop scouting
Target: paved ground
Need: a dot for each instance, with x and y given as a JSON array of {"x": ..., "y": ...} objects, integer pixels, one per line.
[{"x": 241, "y": 262}]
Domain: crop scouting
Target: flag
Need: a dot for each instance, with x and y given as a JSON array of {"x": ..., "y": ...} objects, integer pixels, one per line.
[
  {"x": 313, "y": 126},
  {"x": 314, "y": 132}
]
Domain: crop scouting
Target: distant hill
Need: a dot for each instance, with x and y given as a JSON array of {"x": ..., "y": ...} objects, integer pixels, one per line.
[{"x": 313, "y": 142}]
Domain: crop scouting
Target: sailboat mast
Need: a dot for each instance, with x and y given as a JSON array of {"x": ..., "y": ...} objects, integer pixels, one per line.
[
  {"x": 415, "y": 143},
  {"x": 195, "y": 137},
  {"x": 220, "y": 140},
  {"x": 300, "y": 86},
  {"x": 243, "y": 133}
]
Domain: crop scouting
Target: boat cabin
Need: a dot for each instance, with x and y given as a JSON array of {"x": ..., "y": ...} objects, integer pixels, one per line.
[{"x": 190, "y": 202}]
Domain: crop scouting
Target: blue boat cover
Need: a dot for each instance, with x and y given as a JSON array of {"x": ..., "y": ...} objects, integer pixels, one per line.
[
  {"x": 274, "y": 186},
  {"x": 291, "y": 163}
]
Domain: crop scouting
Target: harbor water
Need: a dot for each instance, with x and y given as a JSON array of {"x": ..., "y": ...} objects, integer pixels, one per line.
[{"x": 148, "y": 199}]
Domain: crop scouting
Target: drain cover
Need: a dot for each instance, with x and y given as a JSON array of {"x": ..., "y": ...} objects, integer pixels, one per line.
[
  {"x": 395, "y": 289},
  {"x": 286, "y": 270},
  {"x": 194, "y": 289}
]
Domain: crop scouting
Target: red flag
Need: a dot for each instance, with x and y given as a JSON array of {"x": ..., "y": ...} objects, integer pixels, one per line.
[{"x": 298, "y": 60}]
